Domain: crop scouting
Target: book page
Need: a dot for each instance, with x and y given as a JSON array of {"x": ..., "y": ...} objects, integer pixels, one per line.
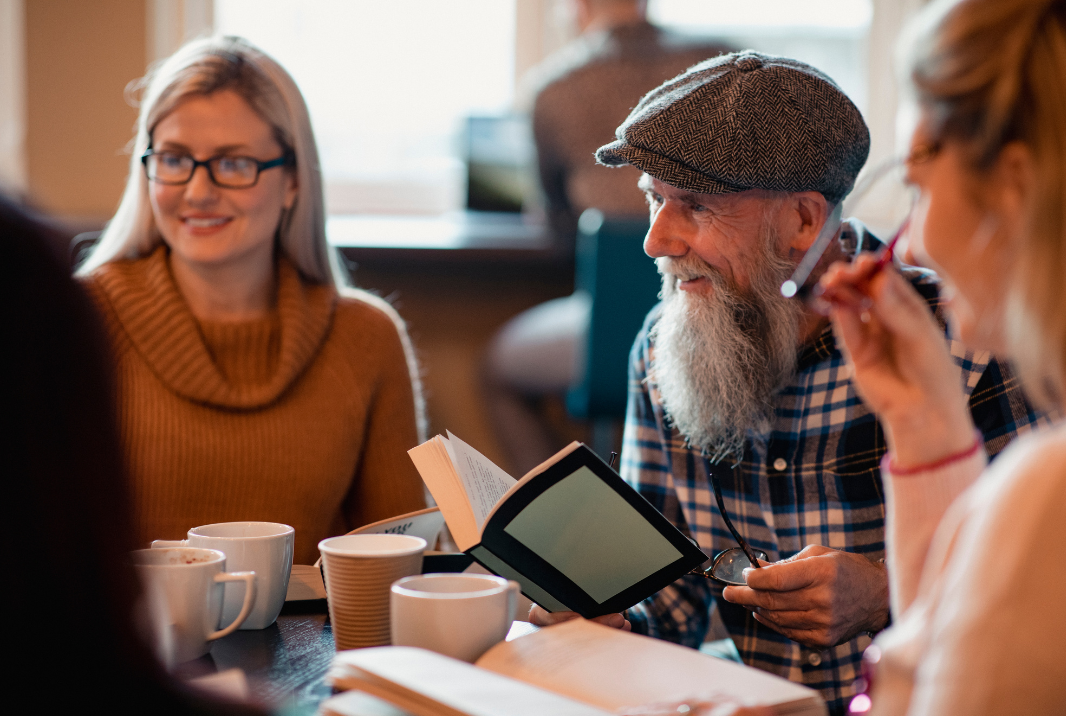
[
  {"x": 422, "y": 523},
  {"x": 435, "y": 466},
  {"x": 612, "y": 669},
  {"x": 429, "y": 684},
  {"x": 484, "y": 483},
  {"x": 357, "y": 703}
]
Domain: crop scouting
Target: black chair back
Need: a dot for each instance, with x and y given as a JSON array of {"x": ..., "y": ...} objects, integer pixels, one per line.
[{"x": 624, "y": 285}]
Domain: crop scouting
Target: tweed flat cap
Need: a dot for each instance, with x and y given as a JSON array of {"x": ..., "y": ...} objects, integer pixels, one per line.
[{"x": 745, "y": 121}]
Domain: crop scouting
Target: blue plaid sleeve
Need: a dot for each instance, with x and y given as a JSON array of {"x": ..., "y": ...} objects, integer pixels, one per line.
[
  {"x": 681, "y": 612},
  {"x": 998, "y": 404}
]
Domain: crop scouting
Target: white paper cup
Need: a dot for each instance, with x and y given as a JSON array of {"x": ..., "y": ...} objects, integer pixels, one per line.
[
  {"x": 458, "y": 615},
  {"x": 359, "y": 571},
  {"x": 261, "y": 547}
]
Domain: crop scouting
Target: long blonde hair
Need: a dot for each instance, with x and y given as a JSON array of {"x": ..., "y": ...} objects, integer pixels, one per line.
[
  {"x": 200, "y": 68},
  {"x": 990, "y": 72}
]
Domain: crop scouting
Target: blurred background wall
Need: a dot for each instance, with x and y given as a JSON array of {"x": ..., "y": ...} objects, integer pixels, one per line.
[
  {"x": 67, "y": 114},
  {"x": 65, "y": 118},
  {"x": 79, "y": 58}
]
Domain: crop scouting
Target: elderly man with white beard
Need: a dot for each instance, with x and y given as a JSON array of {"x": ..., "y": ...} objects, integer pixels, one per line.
[{"x": 745, "y": 158}]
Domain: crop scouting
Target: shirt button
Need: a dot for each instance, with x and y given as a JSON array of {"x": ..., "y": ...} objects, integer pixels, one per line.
[
  {"x": 780, "y": 464},
  {"x": 814, "y": 659}
]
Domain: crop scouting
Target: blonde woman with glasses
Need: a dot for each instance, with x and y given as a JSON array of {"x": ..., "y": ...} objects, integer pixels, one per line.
[
  {"x": 977, "y": 555},
  {"x": 253, "y": 385}
]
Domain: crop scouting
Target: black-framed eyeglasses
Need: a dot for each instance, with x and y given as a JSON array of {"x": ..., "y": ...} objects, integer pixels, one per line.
[
  {"x": 230, "y": 172},
  {"x": 728, "y": 567}
]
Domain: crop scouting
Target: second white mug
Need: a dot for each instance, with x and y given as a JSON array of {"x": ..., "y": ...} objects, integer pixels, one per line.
[
  {"x": 458, "y": 615},
  {"x": 261, "y": 547},
  {"x": 183, "y": 588}
]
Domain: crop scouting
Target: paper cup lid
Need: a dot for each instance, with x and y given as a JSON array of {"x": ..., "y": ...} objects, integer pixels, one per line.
[{"x": 371, "y": 545}]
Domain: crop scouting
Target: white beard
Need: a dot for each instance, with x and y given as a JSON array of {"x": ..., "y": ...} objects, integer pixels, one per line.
[{"x": 718, "y": 360}]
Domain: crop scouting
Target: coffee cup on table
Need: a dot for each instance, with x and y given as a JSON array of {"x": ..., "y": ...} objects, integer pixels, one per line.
[
  {"x": 359, "y": 570},
  {"x": 183, "y": 589},
  {"x": 261, "y": 547},
  {"x": 458, "y": 615}
]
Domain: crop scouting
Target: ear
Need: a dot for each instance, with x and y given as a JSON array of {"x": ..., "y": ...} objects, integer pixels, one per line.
[
  {"x": 1011, "y": 189},
  {"x": 804, "y": 214}
]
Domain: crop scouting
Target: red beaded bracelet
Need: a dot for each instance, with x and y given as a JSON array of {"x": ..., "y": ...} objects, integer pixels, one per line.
[{"x": 890, "y": 462}]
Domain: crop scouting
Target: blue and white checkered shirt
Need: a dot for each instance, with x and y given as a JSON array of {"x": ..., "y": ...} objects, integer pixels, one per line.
[{"x": 816, "y": 481}]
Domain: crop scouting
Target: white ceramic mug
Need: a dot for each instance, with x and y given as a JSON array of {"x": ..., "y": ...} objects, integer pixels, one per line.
[
  {"x": 184, "y": 593},
  {"x": 261, "y": 547},
  {"x": 458, "y": 615}
]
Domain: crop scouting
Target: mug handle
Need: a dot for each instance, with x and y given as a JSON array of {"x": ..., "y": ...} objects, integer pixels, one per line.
[
  {"x": 166, "y": 543},
  {"x": 249, "y": 599},
  {"x": 514, "y": 591}
]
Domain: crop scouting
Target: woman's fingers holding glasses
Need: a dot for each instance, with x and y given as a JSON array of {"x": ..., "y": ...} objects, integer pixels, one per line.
[{"x": 847, "y": 285}]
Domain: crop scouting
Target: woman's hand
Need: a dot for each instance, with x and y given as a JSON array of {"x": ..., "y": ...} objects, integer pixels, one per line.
[{"x": 901, "y": 364}]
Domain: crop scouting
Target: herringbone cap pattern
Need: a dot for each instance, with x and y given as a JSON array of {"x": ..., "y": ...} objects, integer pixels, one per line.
[{"x": 745, "y": 121}]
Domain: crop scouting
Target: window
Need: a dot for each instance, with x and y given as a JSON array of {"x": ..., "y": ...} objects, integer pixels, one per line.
[
  {"x": 388, "y": 85},
  {"x": 828, "y": 34}
]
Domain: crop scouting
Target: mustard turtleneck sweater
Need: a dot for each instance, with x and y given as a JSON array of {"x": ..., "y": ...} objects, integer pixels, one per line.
[{"x": 304, "y": 417}]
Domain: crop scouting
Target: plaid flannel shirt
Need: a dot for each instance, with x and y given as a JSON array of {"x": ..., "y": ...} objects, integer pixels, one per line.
[{"x": 815, "y": 481}]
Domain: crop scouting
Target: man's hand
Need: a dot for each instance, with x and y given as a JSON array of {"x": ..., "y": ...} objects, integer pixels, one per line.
[
  {"x": 542, "y": 617},
  {"x": 821, "y": 597}
]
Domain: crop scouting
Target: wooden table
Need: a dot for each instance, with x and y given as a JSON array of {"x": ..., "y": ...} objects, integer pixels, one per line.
[{"x": 285, "y": 664}]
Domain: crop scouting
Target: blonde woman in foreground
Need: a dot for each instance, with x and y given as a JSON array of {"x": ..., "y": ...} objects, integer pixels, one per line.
[
  {"x": 977, "y": 557},
  {"x": 251, "y": 384}
]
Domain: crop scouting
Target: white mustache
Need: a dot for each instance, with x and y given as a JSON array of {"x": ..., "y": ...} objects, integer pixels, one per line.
[{"x": 686, "y": 269}]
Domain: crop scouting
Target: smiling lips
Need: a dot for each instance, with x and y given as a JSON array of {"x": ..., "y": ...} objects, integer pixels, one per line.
[
  {"x": 693, "y": 284},
  {"x": 204, "y": 223}
]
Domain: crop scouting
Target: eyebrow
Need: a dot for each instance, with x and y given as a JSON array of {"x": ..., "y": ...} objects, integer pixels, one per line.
[
  {"x": 644, "y": 183},
  {"x": 224, "y": 149},
  {"x": 693, "y": 199}
]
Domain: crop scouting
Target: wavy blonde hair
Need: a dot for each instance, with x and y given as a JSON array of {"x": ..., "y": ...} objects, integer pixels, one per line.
[
  {"x": 231, "y": 63},
  {"x": 203, "y": 67},
  {"x": 991, "y": 72}
]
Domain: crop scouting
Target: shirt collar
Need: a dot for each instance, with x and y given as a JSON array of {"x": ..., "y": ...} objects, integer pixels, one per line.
[{"x": 854, "y": 238}]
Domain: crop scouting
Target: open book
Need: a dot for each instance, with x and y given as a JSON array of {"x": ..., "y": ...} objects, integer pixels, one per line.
[
  {"x": 577, "y": 667},
  {"x": 571, "y": 532}
]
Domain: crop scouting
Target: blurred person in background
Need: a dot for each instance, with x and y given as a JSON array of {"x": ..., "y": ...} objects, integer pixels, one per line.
[
  {"x": 581, "y": 93},
  {"x": 976, "y": 551},
  {"x": 252, "y": 384},
  {"x": 71, "y": 591}
]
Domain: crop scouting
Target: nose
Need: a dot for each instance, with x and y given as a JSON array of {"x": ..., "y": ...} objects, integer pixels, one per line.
[
  {"x": 200, "y": 189},
  {"x": 667, "y": 233}
]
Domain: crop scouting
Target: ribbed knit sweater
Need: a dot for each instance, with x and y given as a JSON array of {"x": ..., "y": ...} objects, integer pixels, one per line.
[
  {"x": 304, "y": 417},
  {"x": 976, "y": 580}
]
